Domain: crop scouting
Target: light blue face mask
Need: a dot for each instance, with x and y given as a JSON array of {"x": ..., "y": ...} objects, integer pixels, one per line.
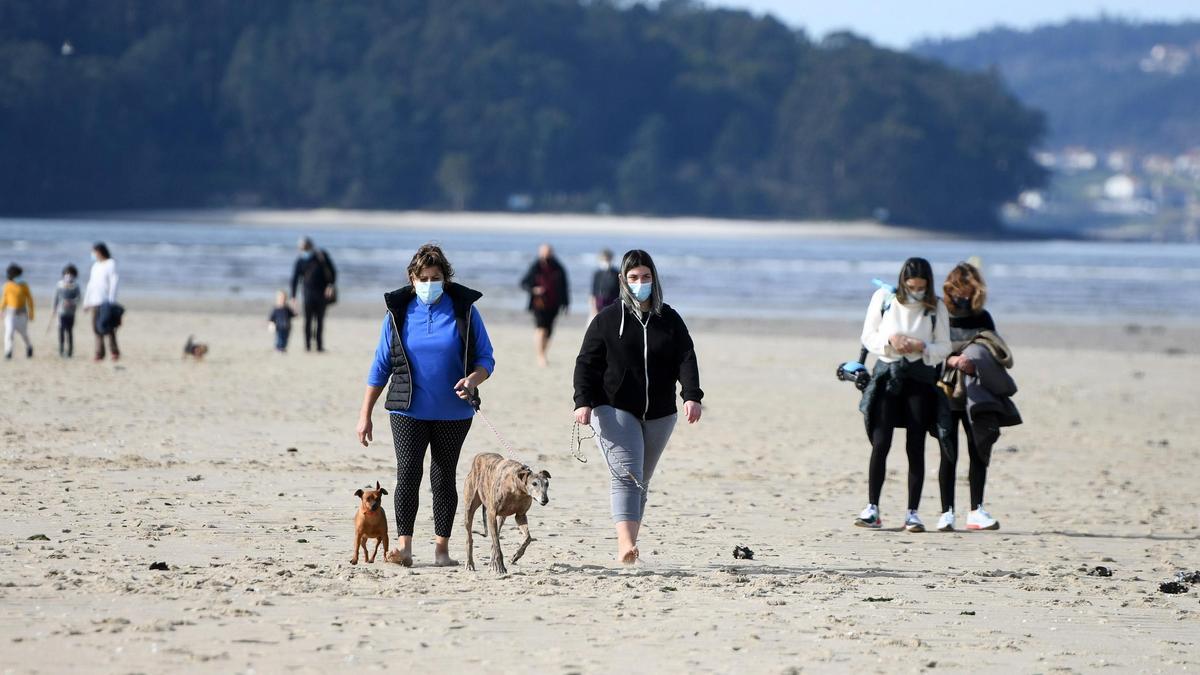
[
  {"x": 641, "y": 291},
  {"x": 95, "y": 258},
  {"x": 428, "y": 292},
  {"x": 307, "y": 255}
]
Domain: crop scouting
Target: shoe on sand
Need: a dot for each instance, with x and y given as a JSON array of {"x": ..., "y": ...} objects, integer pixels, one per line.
[
  {"x": 946, "y": 522},
  {"x": 981, "y": 520},
  {"x": 869, "y": 518},
  {"x": 912, "y": 522}
]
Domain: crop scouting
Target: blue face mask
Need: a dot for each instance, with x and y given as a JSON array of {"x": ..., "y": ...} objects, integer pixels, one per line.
[
  {"x": 18, "y": 280},
  {"x": 641, "y": 291},
  {"x": 428, "y": 292},
  {"x": 95, "y": 258},
  {"x": 307, "y": 255}
]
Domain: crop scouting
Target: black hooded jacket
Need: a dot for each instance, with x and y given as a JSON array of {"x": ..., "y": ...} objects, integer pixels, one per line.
[{"x": 615, "y": 361}]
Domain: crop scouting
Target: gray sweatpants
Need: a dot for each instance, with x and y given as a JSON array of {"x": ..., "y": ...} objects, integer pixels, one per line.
[{"x": 634, "y": 446}]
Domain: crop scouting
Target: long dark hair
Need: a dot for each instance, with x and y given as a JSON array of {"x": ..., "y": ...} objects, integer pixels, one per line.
[
  {"x": 638, "y": 258},
  {"x": 917, "y": 268},
  {"x": 99, "y": 247}
]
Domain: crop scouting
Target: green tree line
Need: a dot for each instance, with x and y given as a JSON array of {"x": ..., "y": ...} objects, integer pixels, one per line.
[{"x": 667, "y": 109}]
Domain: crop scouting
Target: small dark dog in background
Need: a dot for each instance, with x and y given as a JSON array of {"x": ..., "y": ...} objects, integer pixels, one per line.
[{"x": 194, "y": 349}]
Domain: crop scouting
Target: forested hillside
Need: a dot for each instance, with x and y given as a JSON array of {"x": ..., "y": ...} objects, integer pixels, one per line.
[
  {"x": 675, "y": 109},
  {"x": 1103, "y": 84}
]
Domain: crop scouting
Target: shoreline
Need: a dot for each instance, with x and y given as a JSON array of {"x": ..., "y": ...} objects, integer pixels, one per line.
[{"x": 522, "y": 223}]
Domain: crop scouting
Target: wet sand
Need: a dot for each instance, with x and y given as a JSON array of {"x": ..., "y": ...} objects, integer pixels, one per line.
[{"x": 160, "y": 459}]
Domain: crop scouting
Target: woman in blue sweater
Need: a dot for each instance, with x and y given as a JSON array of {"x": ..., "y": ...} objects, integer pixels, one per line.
[{"x": 435, "y": 351}]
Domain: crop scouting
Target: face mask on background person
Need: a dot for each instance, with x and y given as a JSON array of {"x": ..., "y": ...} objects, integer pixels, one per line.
[
  {"x": 429, "y": 292},
  {"x": 962, "y": 305},
  {"x": 640, "y": 290},
  {"x": 95, "y": 258},
  {"x": 916, "y": 296}
]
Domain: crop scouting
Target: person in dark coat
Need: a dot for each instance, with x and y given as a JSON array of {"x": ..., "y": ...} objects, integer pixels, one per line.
[
  {"x": 314, "y": 271},
  {"x": 549, "y": 294},
  {"x": 606, "y": 283}
]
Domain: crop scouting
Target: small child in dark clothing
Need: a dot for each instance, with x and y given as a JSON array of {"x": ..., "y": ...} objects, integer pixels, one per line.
[
  {"x": 66, "y": 298},
  {"x": 280, "y": 321}
]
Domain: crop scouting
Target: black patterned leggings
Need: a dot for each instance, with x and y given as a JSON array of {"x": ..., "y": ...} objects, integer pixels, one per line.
[{"x": 411, "y": 437}]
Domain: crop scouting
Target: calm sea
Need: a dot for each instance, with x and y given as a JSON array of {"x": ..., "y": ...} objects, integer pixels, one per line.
[{"x": 784, "y": 277}]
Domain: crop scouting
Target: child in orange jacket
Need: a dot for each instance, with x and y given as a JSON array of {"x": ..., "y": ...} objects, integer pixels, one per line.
[{"x": 17, "y": 304}]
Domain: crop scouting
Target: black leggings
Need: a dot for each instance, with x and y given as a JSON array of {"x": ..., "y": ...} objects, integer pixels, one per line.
[
  {"x": 411, "y": 437},
  {"x": 66, "y": 335},
  {"x": 977, "y": 474},
  {"x": 314, "y": 322},
  {"x": 911, "y": 407}
]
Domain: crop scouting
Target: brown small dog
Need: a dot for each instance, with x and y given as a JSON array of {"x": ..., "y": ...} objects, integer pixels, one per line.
[
  {"x": 503, "y": 487},
  {"x": 194, "y": 349},
  {"x": 370, "y": 523}
]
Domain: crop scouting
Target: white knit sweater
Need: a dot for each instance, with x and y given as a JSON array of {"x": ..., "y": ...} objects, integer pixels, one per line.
[
  {"x": 102, "y": 284},
  {"x": 909, "y": 320}
]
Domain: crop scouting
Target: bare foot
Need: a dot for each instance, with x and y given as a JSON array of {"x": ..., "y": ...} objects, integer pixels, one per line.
[
  {"x": 628, "y": 557},
  {"x": 399, "y": 556},
  {"x": 443, "y": 559}
]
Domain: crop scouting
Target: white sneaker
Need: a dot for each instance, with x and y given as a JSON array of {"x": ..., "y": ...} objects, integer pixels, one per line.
[
  {"x": 912, "y": 522},
  {"x": 869, "y": 518},
  {"x": 946, "y": 522},
  {"x": 981, "y": 520}
]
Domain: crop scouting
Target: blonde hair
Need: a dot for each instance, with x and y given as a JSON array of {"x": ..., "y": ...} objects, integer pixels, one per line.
[{"x": 965, "y": 280}]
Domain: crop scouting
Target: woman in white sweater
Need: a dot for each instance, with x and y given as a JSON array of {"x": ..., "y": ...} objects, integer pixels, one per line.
[
  {"x": 102, "y": 290},
  {"x": 907, "y": 329}
]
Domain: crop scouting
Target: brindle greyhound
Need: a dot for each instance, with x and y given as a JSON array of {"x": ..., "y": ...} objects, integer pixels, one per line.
[{"x": 504, "y": 487}]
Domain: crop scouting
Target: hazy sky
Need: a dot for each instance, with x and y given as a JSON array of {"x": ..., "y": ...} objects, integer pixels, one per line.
[{"x": 897, "y": 23}]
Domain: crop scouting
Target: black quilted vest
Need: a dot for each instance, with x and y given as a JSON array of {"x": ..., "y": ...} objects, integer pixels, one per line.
[{"x": 399, "y": 393}]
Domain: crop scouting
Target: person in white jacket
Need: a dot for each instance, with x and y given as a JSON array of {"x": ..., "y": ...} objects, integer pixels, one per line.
[
  {"x": 908, "y": 333},
  {"x": 101, "y": 290}
]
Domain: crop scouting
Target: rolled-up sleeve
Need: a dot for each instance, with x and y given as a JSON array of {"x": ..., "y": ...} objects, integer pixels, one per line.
[
  {"x": 484, "y": 357},
  {"x": 381, "y": 367}
]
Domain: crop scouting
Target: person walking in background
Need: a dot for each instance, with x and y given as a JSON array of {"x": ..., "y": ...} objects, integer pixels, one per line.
[
  {"x": 66, "y": 299},
  {"x": 100, "y": 297},
  {"x": 433, "y": 354},
  {"x": 633, "y": 355},
  {"x": 315, "y": 269},
  {"x": 17, "y": 304},
  {"x": 280, "y": 321},
  {"x": 905, "y": 329},
  {"x": 981, "y": 407},
  {"x": 549, "y": 293},
  {"x": 606, "y": 284}
]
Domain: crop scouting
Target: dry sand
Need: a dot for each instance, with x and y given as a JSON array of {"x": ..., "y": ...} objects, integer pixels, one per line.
[{"x": 158, "y": 459}]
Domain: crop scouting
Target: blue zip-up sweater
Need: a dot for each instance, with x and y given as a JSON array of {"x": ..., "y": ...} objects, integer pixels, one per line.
[{"x": 434, "y": 348}]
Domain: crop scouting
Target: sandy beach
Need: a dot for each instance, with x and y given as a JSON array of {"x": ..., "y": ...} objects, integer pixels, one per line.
[{"x": 159, "y": 459}]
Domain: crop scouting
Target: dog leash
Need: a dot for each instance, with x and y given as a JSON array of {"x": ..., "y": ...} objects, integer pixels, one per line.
[
  {"x": 576, "y": 449},
  {"x": 508, "y": 448}
]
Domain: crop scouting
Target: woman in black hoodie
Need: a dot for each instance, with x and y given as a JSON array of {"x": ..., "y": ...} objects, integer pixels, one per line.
[{"x": 633, "y": 354}]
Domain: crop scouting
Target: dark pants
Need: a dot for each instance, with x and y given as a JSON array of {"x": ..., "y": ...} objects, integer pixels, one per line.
[
  {"x": 66, "y": 335},
  {"x": 281, "y": 338},
  {"x": 314, "y": 321},
  {"x": 980, "y": 438},
  {"x": 112, "y": 337},
  {"x": 410, "y": 437},
  {"x": 912, "y": 407}
]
